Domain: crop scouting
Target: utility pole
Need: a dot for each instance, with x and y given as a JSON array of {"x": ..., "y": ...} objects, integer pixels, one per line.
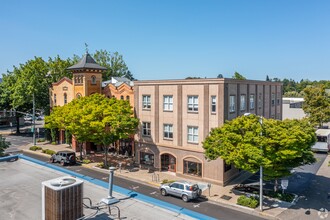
[{"x": 34, "y": 120}]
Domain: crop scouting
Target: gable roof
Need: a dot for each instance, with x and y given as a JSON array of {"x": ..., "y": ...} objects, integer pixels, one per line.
[
  {"x": 62, "y": 80},
  {"x": 87, "y": 62}
]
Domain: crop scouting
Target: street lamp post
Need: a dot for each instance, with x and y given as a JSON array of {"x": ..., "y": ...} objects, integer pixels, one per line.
[
  {"x": 34, "y": 120},
  {"x": 261, "y": 168}
]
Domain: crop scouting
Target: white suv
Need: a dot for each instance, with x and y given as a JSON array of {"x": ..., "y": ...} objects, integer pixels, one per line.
[{"x": 183, "y": 189}]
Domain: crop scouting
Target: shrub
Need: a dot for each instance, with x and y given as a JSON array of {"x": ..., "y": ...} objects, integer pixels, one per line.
[
  {"x": 48, "y": 151},
  {"x": 167, "y": 181},
  {"x": 53, "y": 143},
  {"x": 86, "y": 161},
  {"x": 35, "y": 148},
  {"x": 251, "y": 202},
  {"x": 41, "y": 140},
  {"x": 287, "y": 197}
]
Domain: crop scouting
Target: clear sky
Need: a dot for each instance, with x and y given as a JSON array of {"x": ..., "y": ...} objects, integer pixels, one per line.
[{"x": 173, "y": 39}]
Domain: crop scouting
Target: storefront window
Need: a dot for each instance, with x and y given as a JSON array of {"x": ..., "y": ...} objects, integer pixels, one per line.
[
  {"x": 146, "y": 158},
  {"x": 192, "y": 168}
]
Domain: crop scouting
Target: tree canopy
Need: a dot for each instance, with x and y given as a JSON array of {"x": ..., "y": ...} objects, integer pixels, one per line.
[
  {"x": 282, "y": 146},
  {"x": 115, "y": 64},
  {"x": 95, "y": 118},
  {"x": 238, "y": 76},
  {"x": 317, "y": 105}
]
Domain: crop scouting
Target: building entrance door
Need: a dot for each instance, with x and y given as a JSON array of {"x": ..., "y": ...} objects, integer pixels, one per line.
[{"x": 168, "y": 163}]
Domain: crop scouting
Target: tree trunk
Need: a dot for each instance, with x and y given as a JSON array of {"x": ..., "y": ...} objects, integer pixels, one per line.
[
  {"x": 106, "y": 155},
  {"x": 276, "y": 185},
  {"x": 80, "y": 148},
  {"x": 17, "y": 124}
]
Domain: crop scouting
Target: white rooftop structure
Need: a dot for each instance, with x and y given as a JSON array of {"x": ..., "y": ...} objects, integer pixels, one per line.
[{"x": 292, "y": 108}]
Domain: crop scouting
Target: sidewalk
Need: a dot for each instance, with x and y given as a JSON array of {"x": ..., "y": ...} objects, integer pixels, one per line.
[{"x": 218, "y": 194}]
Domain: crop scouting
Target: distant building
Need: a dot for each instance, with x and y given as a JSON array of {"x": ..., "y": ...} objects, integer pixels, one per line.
[
  {"x": 292, "y": 108},
  {"x": 177, "y": 115}
]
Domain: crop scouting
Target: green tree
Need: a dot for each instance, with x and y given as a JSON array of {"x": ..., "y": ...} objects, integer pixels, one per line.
[
  {"x": 3, "y": 145},
  {"x": 238, "y": 76},
  {"x": 109, "y": 120},
  {"x": 267, "y": 78},
  {"x": 317, "y": 105},
  {"x": 282, "y": 146},
  {"x": 220, "y": 76},
  {"x": 115, "y": 64}
]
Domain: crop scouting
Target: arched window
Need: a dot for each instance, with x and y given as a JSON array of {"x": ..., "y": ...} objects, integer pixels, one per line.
[
  {"x": 65, "y": 98},
  {"x": 122, "y": 97},
  {"x": 127, "y": 97},
  {"x": 54, "y": 99},
  {"x": 78, "y": 95},
  {"x": 93, "y": 79}
]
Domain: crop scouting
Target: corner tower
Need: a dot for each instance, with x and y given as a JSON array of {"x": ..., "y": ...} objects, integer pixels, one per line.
[{"x": 87, "y": 76}]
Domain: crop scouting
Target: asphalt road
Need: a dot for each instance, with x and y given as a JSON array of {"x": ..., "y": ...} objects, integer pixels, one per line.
[{"x": 201, "y": 205}]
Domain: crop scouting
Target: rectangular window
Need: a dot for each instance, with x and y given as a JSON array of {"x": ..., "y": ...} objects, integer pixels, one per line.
[
  {"x": 273, "y": 99},
  {"x": 252, "y": 101},
  {"x": 243, "y": 102},
  {"x": 168, "y": 103},
  {"x": 54, "y": 99},
  {"x": 232, "y": 105},
  {"x": 278, "y": 98},
  {"x": 168, "y": 131},
  {"x": 192, "y": 134},
  {"x": 146, "y": 129},
  {"x": 213, "y": 104},
  {"x": 260, "y": 101},
  {"x": 146, "y": 102},
  {"x": 192, "y": 103}
]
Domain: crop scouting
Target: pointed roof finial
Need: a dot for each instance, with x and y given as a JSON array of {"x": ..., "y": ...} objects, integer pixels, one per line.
[{"x": 86, "y": 45}]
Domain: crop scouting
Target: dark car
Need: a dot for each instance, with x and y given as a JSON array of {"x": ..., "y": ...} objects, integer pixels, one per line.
[
  {"x": 183, "y": 189},
  {"x": 64, "y": 157}
]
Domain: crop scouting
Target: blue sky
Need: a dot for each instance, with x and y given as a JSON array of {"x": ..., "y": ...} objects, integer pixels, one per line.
[{"x": 173, "y": 39}]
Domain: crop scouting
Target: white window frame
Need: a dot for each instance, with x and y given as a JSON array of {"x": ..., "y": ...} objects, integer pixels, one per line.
[
  {"x": 192, "y": 134},
  {"x": 232, "y": 104},
  {"x": 251, "y": 101},
  {"x": 243, "y": 102},
  {"x": 168, "y": 131},
  {"x": 213, "y": 104},
  {"x": 146, "y": 102},
  {"x": 192, "y": 103},
  {"x": 146, "y": 129},
  {"x": 168, "y": 103}
]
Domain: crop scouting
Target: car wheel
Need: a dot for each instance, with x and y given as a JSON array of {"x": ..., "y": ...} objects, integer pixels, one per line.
[
  {"x": 163, "y": 192},
  {"x": 62, "y": 162},
  {"x": 185, "y": 198}
]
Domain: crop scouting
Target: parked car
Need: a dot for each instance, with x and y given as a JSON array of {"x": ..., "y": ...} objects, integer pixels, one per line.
[
  {"x": 27, "y": 118},
  {"x": 64, "y": 157},
  {"x": 183, "y": 189}
]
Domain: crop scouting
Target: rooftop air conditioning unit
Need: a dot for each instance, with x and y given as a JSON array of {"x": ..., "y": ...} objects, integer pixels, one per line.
[{"x": 62, "y": 199}]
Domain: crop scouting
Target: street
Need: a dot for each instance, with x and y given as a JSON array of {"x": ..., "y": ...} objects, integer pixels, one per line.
[{"x": 201, "y": 205}]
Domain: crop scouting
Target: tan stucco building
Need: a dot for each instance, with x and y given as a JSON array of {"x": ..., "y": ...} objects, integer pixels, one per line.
[{"x": 176, "y": 116}]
